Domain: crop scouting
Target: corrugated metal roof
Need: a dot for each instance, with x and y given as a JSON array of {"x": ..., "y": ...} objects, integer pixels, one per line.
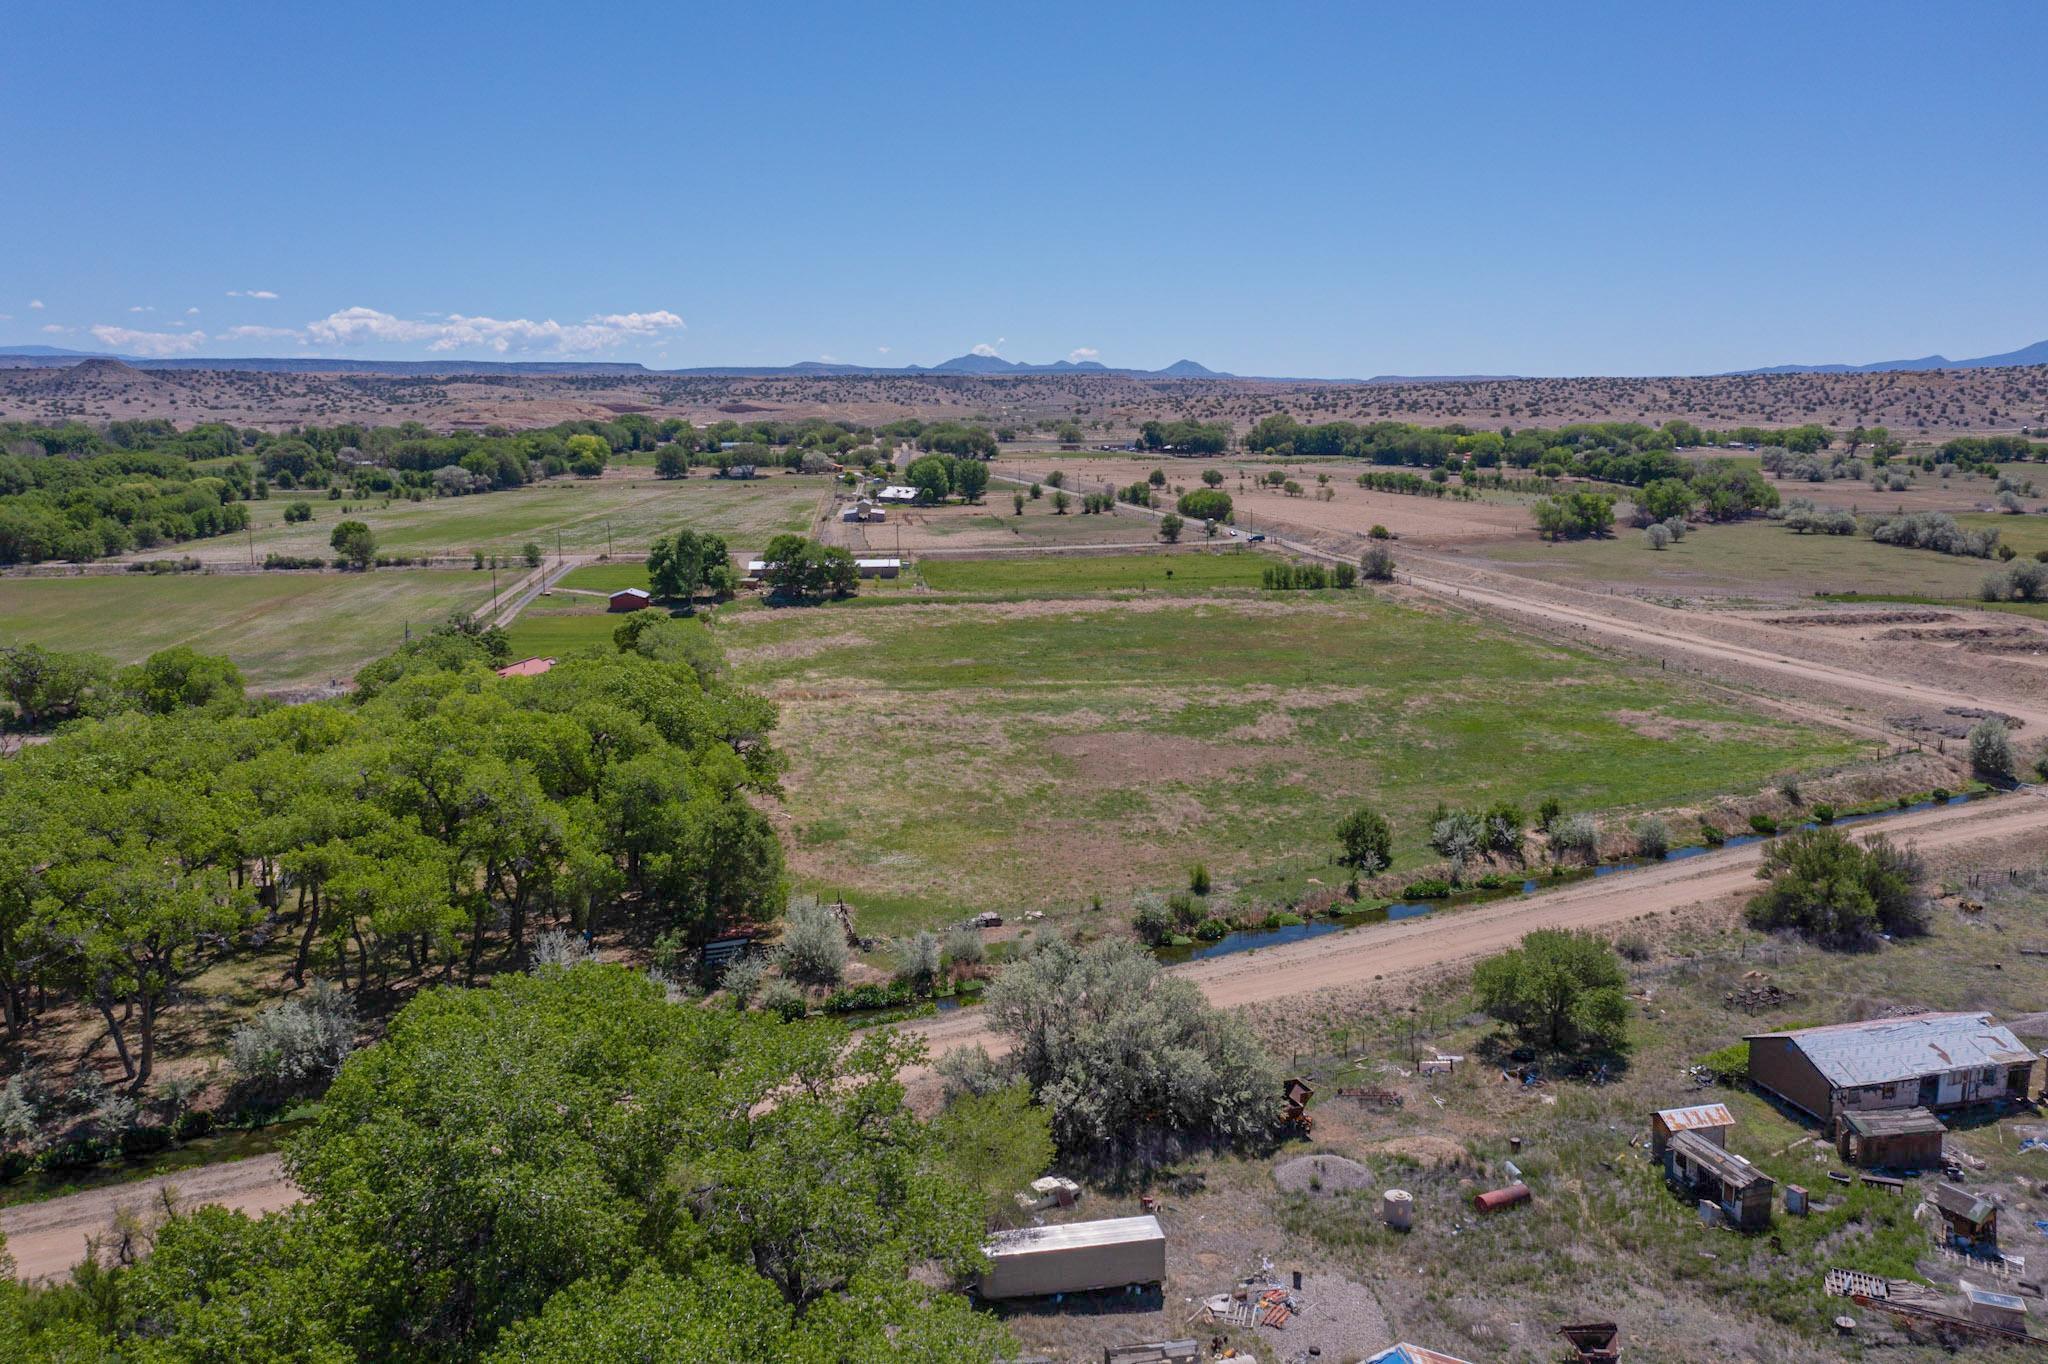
[
  {"x": 1963, "y": 1203},
  {"x": 1990, "y": 1298},
  {"x": 1107, "y": 1231},
  {"x": 1732, "y": 1170},
  {"x": 1894, "y": 1122},
  {"x": 1886, "y": 1050},
  {"x": 1699, "y": 1115}
]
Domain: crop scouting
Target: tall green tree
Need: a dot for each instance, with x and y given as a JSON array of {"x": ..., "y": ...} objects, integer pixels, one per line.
[{"x": 1563, "y": 990}]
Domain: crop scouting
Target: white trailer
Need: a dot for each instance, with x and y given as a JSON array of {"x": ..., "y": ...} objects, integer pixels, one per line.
[{"x": 1075, "y": 1257}]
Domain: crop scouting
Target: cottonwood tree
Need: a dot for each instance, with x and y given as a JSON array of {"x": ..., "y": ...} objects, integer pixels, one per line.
[{"x": 687, "y": 562}]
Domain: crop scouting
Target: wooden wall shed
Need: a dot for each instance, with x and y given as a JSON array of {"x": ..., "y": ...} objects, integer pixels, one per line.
[{"x": 1906, "y": 1139}]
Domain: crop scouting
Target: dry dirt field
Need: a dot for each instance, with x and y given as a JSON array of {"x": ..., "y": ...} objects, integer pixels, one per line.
[
  {"x": 1914, "y": 405},
  {"x": 993, "y": 525},
  {"x": 1351, "y": 510}
]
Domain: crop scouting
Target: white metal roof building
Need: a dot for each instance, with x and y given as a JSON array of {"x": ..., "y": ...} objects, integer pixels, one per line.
[
  {"x": 897, "y": 492},
  {"x": 1932, "y": 1060}
]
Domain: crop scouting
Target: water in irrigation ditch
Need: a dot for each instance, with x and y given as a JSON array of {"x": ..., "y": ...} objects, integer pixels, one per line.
[{"x": 1251, "y": 939}]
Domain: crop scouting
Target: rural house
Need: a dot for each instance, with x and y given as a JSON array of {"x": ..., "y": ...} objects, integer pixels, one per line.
[
  {"x": 1738, "y": 1189},
  {"x": 1894, "y": 1139},
  {"x": 630, "y": 599},
  {"x": 1934, "y": 1061}
]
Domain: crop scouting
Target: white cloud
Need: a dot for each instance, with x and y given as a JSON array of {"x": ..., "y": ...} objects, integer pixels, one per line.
[
  {"x": 53, "y": 329},
  {"x": 148, "y": 343},
  {"x": 1080, "y": 353},
  {"x": 985, "y": 348},
  {"x": 251, "y": 293},
  {"x": 883, "y": 349},
  {"x": 260, "y": 334},
  {"x": 191, "y": 312},
  {"x": 354, "y": 326},
  {"x": 36, "y": 304},
  {"x": 142, "y": 308},
  {"x": 828, "y": 359}
]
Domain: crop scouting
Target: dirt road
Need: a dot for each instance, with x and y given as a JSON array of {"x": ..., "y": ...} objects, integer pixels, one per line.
[
  {"x": 1664, "y": 628},
  {"x": 1398, "y": 949},
  {"x": 47, "y": 1238}
]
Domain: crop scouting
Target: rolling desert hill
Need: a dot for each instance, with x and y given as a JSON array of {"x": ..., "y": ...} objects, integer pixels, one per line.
[{"x": 1922, "y": 404}]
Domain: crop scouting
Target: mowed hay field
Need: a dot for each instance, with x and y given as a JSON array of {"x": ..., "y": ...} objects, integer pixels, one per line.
[
  {"x": 283, "y": 629},
  {"x": 1032, "y": 754},
  {"x": 1747, "y": 559},
  {"x": 624, "y": 510}
]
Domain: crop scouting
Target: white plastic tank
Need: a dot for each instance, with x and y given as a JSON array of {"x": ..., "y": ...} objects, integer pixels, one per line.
[{"x": 1398, "y": 1209}]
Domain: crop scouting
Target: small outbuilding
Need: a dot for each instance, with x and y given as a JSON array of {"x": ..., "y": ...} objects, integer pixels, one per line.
[
  {"x": 1999, "y": 1311},
  {"x": 1075, "y": 1257},
  {"x": 878, "y": 568},
  {"x": 1711, "y": 1121},
  {"x": 527, "y": 667},
  {"x": 631, "y": 599},
  {"x": 1969, "y": 1220},
  {"x": 1904, "y": 1139},
  {"x": 1742, "y": 1192}
]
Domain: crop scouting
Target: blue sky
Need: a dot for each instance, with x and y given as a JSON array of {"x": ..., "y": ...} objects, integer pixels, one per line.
[{"x": 1340, "y": 190}]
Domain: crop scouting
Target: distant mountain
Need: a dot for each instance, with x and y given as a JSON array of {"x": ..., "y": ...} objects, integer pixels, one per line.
[
  {"x": 2036, "y": 354},
  {"x": 20, "y": 357}
]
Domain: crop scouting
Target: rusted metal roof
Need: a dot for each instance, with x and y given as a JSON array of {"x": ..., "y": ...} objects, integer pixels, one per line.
[{"x": 1699, "y": 1115}]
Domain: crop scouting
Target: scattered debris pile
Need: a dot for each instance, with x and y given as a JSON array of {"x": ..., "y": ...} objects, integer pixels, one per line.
[
  {"x": 1596, "y": 1342},
  {"x": 1317, "y": 1316},
  {"x": 1757, "y": 992}
]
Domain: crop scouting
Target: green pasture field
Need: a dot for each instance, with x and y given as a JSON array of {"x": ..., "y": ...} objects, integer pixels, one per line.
[
  {"x": 612, "y": 577},
  {"x": 551, "y": 630},
  {"x": 283, "y": 629},
  {"x": 1036, "y": 575},
  {"x": 2027, "y": 534},
  {"x": 1751, "y": 558},
  {"x": 1033, "y": 754},
  {"x": 621, "y": 512}
]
